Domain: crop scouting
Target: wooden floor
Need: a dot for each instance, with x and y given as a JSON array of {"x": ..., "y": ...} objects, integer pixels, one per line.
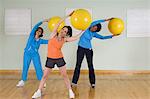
[{"x": 107, "y": 87}]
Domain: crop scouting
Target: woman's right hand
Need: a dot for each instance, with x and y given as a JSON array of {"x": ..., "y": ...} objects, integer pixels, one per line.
[
  {"x": 71, "y": 13},
  {"x": 46, "y": 20},
  {"x": 116, "y": 35},
  {"x": 109, "y": 19}
]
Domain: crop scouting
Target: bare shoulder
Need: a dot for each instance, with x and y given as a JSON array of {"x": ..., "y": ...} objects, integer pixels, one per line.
[{"x": 52, "y": 36}]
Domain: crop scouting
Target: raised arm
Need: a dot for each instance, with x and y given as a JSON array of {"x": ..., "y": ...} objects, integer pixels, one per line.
[
  {"x": 96, "y": 22},
  {"x": 73, "y": 38},
  {"x": 57, "y": 26},
  {"x": 36, "y": 27},
  {"x": 99, "y": 21},
  {"x": 54, "y": 32},
  {"x": 96, "y": 35}
]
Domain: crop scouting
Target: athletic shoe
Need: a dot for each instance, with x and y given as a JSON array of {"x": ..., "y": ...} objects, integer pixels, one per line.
[
  {"x": 37, "y": 94},
  {"x": 73, "y": 85},
  {"x": 20, "y": 83},
  {"x": 93, "y": 85},
  {"x": 71, "y": 94}
]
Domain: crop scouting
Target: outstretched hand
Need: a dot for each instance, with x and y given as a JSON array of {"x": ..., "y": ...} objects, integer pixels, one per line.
[
  {"x": 71, "y": 13},
  {"x": 116, "y": 35},
  {"x": 46, "y": 20},
  {"x": 109, "y": 19}
]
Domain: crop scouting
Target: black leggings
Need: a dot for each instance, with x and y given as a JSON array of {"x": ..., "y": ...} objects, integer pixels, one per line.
[{"x": 89, "y": 56}]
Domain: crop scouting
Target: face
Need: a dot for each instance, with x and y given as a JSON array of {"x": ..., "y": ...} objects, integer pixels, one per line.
[
  {"x": 63, "y": 32},
  {"x": 93, "y": 29},
  {"x": 39, "y": 32}
]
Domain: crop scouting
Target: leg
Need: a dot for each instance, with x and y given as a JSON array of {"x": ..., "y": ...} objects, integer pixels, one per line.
[
  {"x": 26, "y": 63},
  {"x": 65, "y": 76},
  {"x": 37, "y": 66},
  {"x": 66, "y": 79},
  {"x": 80, "y": 56},
  {"x": 89, "y": 57},
  {"x": 45, "y": 76},
  {"x": 49, "y": 65}
]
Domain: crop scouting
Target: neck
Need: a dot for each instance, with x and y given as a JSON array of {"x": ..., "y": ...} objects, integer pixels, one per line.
[
  {"x": 91, "y": 30},
  {"x": 59, "y": 37},
  {"x": 36, "y": 37}
]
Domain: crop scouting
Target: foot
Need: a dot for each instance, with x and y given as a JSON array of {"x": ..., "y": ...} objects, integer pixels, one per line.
[
  {"x": 20, "y": 83},
  {"x": 93, "y": 85},
  {"x": 37, "y": 94},
  {"x": 73, "y": 85},
  {"x": 71, "y": 94}
]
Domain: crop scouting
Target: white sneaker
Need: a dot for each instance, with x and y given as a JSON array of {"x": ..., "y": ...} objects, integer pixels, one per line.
[
  {"x": 20, "y": 83},
  {"x": 93, "y": 85},
  {"x": 73, "y": 85},
  {"x": 37, "y": 94},
  {"x": 45, "y": 85},
  {"x": 71, "y": 94}
]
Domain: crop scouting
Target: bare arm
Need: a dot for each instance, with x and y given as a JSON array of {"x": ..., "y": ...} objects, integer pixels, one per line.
[
  {"x": 46, "y": 20},
  {"x": 108, "y": 19},
  {"x": 73, "y": 38},
  {"x": 53, "y": 34},
  {"x": 56, "y": 27}
]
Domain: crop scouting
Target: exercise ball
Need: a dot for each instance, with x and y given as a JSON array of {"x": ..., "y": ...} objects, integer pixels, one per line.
[
  {"x": 81, "y": 19},
  {"x": 53, "y": 22},
  {"x": 116, "y": 26}
]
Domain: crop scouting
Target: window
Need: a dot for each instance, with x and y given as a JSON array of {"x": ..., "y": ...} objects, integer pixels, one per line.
[
  {"x": 17, "y": 21},
  {"x": 138, "y": 23}
]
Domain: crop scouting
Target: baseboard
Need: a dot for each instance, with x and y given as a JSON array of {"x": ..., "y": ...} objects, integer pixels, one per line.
[{"x": 97, "y": 72}]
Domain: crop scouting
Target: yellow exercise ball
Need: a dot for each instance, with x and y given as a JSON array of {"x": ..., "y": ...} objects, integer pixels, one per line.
[
  {"x": 81, "y": 19},
  {"x": 53, "y": 22},
  {"x": 116, "y": 26}
]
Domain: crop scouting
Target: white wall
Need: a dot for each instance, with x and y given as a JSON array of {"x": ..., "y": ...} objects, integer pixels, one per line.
[
  {"x": 149, "y": 53},
  {"x": 149, "y": 41},
  {"x": 120, "y": 53},
  {"x": 1, "y": 31}
]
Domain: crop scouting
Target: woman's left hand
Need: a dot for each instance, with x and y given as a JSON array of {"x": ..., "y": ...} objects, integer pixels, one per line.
[
  {"x": 115, "y": 35},
  {"x": 109, "y": 19},
  {"x": 71, "y": 13},
  {"x": 46, "y": 20}
]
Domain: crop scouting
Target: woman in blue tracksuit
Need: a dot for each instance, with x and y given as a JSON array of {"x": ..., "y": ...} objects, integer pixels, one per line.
[
  {"x": 31, "y": 53},
  {"x": 85, "y": 48}
]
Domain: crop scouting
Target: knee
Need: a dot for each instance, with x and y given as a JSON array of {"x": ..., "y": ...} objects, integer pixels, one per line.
[
  {"x": 77, "y": 67},
  {"x": 91, "y": 71},
  {"x": 91, "y": 68},
  {"x": 64, "y": 75},
  {"x": 44, "y": 76},
  {"x": 90, "y": 64}
]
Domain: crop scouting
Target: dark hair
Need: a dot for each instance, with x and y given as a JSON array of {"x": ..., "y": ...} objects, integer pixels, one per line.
[
  {"x": 69, "y": 33},
  {"x": 99, "y": 26},
  {"x": 41, "y": 30}
]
